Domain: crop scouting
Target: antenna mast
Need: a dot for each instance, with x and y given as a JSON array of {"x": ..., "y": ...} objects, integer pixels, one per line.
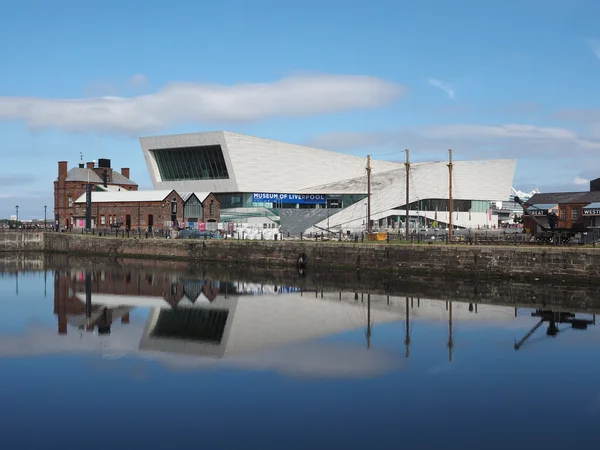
[
  {"x": 450, "y": 167},
  {"x": 407, "y": 165},
  {"x": 368, "y": 194}
]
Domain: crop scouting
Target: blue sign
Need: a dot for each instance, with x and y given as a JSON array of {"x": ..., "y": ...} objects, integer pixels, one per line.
[{"x": 301, "y": 199}]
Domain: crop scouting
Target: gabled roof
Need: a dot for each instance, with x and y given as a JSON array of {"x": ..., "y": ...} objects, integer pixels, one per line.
[
  {"x": 564, "y": 197},
  {"x": 199, "y": 195},
  {"x": 128, "y": 196}
]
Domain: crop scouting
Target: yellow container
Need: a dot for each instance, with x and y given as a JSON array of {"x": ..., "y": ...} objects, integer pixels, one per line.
[{"x": 381, "y": 236}]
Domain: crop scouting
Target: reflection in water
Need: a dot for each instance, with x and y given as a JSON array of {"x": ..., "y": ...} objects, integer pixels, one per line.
[
  {"x": 360, "y": 353},
  {"x": 554, "y": 318},
  {"x": 196, "y": 318}
]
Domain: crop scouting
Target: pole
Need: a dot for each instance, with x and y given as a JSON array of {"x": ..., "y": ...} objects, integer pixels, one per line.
[
  {"x": 407, "y": 165},
  {"x": 450, "y": 167},
  {"x": 368, "y": 194},
  {"x": 369, "y": 321},
  {"x": 407, "y": 338},
  {"x": 450, "y": 341},
  {"x": 45, "y": 208}
]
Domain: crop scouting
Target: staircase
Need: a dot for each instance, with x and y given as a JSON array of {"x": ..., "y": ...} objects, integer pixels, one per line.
[{"x": 296, "y": 221}]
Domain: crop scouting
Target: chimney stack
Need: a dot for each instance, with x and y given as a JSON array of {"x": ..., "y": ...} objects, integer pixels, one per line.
[
  {"x": 62, "y": 170},
  {"x": 90, "y": 165},
  {"x": 125, "y": 172}
]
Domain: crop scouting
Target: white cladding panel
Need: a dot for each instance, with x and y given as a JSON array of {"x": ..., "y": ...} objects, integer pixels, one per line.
[
  {"x": 261, "y": 165},
  {"x": 489, "y": 180},
  {"x": 189, "y": 140}
]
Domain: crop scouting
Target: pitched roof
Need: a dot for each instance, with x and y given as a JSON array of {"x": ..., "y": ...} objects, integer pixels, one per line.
[
  {"x": 127, "y": 196},
  {"x": 83, "y": 175},
  {"x": 118, "y": 178},
  {"x": 199, "y": 195},
  {"x": 564, "y": 197}
]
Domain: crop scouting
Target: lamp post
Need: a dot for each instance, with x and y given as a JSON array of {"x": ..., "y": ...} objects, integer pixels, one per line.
[
  {"x": 17, "y": 208},
  {"x": 45, "y": 209}
]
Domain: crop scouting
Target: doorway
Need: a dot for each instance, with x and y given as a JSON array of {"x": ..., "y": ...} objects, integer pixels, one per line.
[
  {"x": 150, "y": 222},
  {"x": 127, "y": 222}
]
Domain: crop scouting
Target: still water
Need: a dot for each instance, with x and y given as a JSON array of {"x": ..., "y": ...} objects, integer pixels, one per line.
[{"x": 108, "y": 358}]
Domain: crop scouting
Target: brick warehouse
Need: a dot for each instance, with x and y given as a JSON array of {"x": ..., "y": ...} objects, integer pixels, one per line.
[
  {"x": 133, "y": 210},
  {"x": 149, "y": 210},
  {"x": 71, "y": 184}
]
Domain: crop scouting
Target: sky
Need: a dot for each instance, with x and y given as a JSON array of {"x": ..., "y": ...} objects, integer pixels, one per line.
[{"x": 513, "y": 79}]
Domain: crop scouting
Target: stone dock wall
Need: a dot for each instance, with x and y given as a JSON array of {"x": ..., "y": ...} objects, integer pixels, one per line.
[{"x": 523, "y": 262}]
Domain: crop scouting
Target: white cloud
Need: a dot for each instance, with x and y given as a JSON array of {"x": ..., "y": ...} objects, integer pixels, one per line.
[
  {"x": 443, "y": 86},
  {"x": 544, "y": 154},
  {"x": 309, "y": 359},
  {"x": 580, "y": 181},
  {"x": 498, "y": 139},
  {"x": 138, "y": 80},
  {"x": 594, "y": 45},
  {"x": 178, "y": 103}
]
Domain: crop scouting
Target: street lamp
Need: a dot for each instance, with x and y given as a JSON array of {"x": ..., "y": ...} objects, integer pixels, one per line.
[
  {"x": 17, "y": 208},
  {"x": 45, "y": 224}
]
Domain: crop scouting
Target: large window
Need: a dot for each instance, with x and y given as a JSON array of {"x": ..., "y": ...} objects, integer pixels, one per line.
[{"x": 191, "y": 163}]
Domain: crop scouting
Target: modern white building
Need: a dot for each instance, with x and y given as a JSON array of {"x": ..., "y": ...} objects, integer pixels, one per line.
[{"x": 254, "y": 176}]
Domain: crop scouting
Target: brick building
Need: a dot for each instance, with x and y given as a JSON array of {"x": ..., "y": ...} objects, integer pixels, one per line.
[
  {"x": 199, "y": 208},
  {"x": 71, "y": 184},
  {"x": 132, "y": 210},
  {"x": 578, "y": 210}
]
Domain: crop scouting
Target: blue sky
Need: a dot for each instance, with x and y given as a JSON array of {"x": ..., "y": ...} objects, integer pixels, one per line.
[{"x": 488, "y": 79}]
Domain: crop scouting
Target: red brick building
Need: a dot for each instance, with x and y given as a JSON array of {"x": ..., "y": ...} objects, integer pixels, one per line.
[
  {"x": 576, "y": 210},
  {"x": 201, "y": 207},
  {"x": 71, "y": 184},
  {"x": 132, "y": 210}
]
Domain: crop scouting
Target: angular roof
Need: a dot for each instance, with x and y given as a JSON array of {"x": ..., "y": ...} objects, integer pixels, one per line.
[
  {"x": 260, "y": 165},
  {"x": 127, "y": 196},
  {"x": 489, "y": 180},
  {"x": 565, "y": 197}
]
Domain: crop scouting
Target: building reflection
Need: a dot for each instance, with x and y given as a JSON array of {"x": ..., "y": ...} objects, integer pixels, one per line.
[
  {"x": 94, "y": 300},
  {"x": 204, "y": 317}
]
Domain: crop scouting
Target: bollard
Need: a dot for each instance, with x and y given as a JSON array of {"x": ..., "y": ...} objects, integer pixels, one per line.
[{"x": 146, "y": 234}]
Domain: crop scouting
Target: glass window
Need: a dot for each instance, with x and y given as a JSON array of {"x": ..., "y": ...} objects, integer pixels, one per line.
[
  {"x": 575, "y": 213},
  {"x": 191, "y": 163},
  {"x": 70, "y": 201},
  {"x": 102, "y": 220}
]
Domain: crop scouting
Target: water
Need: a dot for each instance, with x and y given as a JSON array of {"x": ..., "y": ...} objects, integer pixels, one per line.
[{"x": 154, "y": 358}]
